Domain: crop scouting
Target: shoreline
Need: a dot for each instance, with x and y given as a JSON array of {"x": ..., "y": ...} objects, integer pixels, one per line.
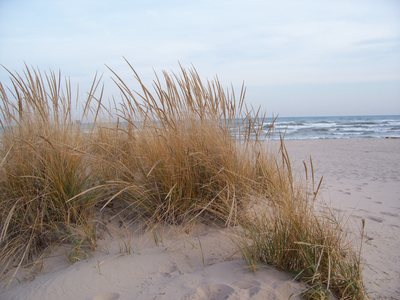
[{"x": 341, "y": 138}]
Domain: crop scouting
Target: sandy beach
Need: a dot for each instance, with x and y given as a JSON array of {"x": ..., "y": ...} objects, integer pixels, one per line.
[
  {"x": 361, "y": 181},
  {"x": 197, "y": 150}
]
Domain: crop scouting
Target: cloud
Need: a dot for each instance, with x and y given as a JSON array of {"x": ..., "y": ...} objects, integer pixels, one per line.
[{"x": 262, "y": 42}]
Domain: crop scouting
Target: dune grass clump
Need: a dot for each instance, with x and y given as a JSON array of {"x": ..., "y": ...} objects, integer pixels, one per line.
[
  {"x": 183, "y": 150},
  {"x": 289, "y": 233},
  {"x": 172, "y": 158},
  {"x": 42, "y": 166}
]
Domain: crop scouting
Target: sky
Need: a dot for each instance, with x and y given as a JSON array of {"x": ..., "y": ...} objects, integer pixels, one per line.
[{"x": 297, "y": 58}]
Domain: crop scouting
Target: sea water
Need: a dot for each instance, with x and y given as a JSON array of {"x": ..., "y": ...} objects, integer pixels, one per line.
[{"x": 335, "y": 127}]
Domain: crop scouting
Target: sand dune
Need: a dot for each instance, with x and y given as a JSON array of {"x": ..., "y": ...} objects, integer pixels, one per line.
[
  {"x": 199, "y": 265},
  {"x": 361, "y": 181}
]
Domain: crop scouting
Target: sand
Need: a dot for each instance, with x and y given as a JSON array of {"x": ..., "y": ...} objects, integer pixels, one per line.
[
  {"x": 165, "y": 264},
  {"x": 361, "y": 181}
]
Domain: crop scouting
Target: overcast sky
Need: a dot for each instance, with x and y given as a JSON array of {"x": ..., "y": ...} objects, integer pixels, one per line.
[{"x": 297, "y": 58}]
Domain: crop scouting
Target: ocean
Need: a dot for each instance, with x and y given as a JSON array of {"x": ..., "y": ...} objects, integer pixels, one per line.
[{"x": 335, "y": 127}]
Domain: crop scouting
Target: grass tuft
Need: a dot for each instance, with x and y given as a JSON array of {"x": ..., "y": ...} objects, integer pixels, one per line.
[
  {"x": 43, "y": 165},
  {"x": 174, "y": 159}
]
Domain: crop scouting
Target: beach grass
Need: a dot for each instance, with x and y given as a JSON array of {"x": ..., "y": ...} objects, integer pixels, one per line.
[
  {"x": 182, "y": 151},
  {"x": 174, "y": 160},
  {"x": 43, "y": 165},
  {"x": 290, "y": 232}
]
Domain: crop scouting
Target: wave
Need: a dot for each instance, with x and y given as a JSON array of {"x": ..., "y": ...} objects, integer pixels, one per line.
[{"x": 336, "y": 127}]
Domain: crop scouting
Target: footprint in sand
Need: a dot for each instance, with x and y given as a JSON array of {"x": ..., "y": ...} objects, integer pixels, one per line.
[
  {"x": 344, "y": 192},
  {"x": 252, "y": 286},
  {"x": 356, "y": 216},
  {"x": 213, "y": 292},
  {"x": 389, "y": 214},
  {"x": 169, "y": 271},
  {"x": 106, "y": 296},
  {"x": 376, "y": 219}
]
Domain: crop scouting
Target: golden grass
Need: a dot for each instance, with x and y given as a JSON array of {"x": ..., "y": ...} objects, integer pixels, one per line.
[
  {"x": 184, "y": 151},
  {"x": 43, "y": 165},
  {"x": 175, "y": 159}
]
